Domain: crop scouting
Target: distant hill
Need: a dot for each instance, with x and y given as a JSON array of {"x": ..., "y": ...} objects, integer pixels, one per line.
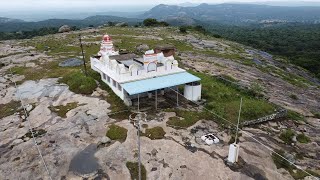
[
  {"x": 16, "y": 25},
  {"x": 8, "y": 20},
  {"x": 236, "y": 13}
]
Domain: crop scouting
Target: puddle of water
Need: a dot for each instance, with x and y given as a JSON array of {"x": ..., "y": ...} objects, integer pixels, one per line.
[{"x": 84, "y": 162}]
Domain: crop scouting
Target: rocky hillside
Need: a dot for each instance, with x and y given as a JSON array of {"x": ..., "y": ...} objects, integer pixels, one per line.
[
  {"x": 72, "y": 126},
  {"x": 236, "y": 13}
]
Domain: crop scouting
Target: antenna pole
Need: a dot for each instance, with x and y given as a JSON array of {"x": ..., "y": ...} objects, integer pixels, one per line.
[
  {"x": 84, "y": 61},
  {"x": 235, "y": 141}
]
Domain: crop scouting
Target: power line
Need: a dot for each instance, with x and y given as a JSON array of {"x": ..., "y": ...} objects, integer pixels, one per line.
[
  {"x": 30, "y": 128},
  {"x": 270, "y": 149}
]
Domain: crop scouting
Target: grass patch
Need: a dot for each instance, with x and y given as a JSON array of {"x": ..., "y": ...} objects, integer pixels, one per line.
[
  {"x": 46, "y": 70},
  {"x": 294, "y": 116},
  {"x": 9, "y": 109},
  {"x": 317, "y": 115},
  {"x": 294, "y": 172},
  {"x": 287, "y": 136},
  {"x": 224, "y": 99},
  {"x": 293, "y": 96},
  {"x": 117, "y": 133},
  {"x": 62, "y": 110},
  {"x": 79, "y": 83},
  {"x": 116, "y": 103},
  {"x": 155, "y": 133},
  {"x": 302, "y": 138},
  {"x": 134, "y": 170},
  {"x": 185, "y": 119}
]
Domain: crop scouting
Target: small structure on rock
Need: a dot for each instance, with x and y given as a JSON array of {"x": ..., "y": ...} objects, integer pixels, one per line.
[{"x": 131, "y": 77}]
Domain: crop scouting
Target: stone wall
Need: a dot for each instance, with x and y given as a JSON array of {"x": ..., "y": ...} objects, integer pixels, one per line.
[{"x": 280, "y": 114}]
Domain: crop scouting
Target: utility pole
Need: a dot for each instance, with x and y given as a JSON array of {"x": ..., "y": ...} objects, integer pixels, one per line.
[
  {"x": 84, "y": 61},
  {"x": 238, "y": 121},
  {"x": 136, "y": 120}
]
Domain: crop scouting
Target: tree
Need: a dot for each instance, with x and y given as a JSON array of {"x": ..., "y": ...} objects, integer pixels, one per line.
[
  {"x": 183, "y": 29},
  {"x": 150, "y": 22}
]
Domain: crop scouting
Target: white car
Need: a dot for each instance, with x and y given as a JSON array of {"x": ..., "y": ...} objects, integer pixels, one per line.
[{"x": 210, "y": 139}]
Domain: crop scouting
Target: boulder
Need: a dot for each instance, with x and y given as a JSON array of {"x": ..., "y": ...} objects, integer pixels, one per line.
[
  {"x": 142, "y": 48},
  {"x": 122, "y": 24},
  {"x": 71, "y": 62},
  {"x": 64, "y": 28}
]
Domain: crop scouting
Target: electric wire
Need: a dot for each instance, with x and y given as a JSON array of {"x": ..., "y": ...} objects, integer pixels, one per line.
[{"x": 30, "y": 128}]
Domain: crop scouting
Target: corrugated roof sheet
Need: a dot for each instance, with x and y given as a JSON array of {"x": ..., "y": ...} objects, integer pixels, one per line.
[{"x": 160, "y": 82}]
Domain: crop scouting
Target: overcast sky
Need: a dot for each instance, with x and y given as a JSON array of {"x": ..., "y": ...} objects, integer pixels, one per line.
[
  {"x": 35, "y": 10},
  {"x": 63, "y": 4}
]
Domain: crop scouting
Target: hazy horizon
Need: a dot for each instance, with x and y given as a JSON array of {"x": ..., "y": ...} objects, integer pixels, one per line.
[{"x": 35, "y": 10}]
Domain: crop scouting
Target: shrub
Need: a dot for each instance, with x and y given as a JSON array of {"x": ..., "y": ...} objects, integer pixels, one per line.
[
  {"x": 153, "y": 22},
  {"x": 9, "y": 109},
  {"x": 293, "y": 96},
  {"x": 302, "y": 138},
  {"x": 62, "y": 110},
  {"x": 134, "y": 170},
  {"x": 317, "y": 115},
  {"x": 294, "y": 116},
  {"x": 79, "y": 83},
  {"x": 155, "y": 133},
  {"x": 117, "y": 133},
  {"x": 150, "y": 22},
  {"x": 183, "y": 29},
  {"x": 287, "y": 136}
]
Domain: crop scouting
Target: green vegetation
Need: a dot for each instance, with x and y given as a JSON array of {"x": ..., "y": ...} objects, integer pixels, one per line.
[
  {"x": 224, "y": 99},
  {"x": 119, "y": 110},
  {"x": 47, "y": 70},
  {"x": 28, "y": 34},
  {"x": 36, "y": 133},
  {"x": 9, "y": 109},
  {"x": 62, "y": 110},
  {"x": 134, "y": 170},
  {"x": 298, "y": 42},
  {"x": 79, "y": 83},
  {"x": 302, "y": 138},
  {"x": 287, "y": 136},
  {"x": 293, "y": 96},
  {"x": 155, "y": 133},
  {"x": 294, "y": 116},
  {"x": 317, "y": 115},
  {"x": 183, "y": 29},
  {"x": 117, "y": 133},
  {"x": 185, "y": 119},
  {"x": 153, "y": 22},
  {"x": 294, "y": 172}
]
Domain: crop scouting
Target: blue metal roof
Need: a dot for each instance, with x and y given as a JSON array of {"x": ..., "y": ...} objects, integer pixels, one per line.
[{"x": 160, "y": 82}]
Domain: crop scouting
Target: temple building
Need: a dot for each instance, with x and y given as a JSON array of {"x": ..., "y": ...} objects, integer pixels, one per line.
[{"x": 131, "y": 76}]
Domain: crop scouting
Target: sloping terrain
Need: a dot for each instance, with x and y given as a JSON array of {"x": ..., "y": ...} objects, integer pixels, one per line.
[{"x": 89, "y": 135}]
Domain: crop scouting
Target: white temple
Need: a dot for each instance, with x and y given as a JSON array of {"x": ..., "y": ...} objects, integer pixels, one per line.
[{"x": 130, "y": 76}]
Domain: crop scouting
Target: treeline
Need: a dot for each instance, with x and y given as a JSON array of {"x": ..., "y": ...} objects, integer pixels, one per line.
[
  {"x": 28, "y": 34},
  {"x": 298, "y": 42}
]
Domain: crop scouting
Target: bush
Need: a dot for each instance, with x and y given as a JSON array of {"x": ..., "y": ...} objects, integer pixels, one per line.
[
  {"x": 287, "y": 136},
  {"x": 117, "y": 133},
  {"x": 79, "y": 83},
  {"x": 134, "y": 170},
  {"x": 302, "y": 138},
  {"x": 183, "y": 29},
  {"x": 317, "y": 115},
  {"x": 153, "y": 22},
  {"x": 293, "y": 96},
  {"x": 150, "y": 22},
  {"x": 155, "y": 133}
]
